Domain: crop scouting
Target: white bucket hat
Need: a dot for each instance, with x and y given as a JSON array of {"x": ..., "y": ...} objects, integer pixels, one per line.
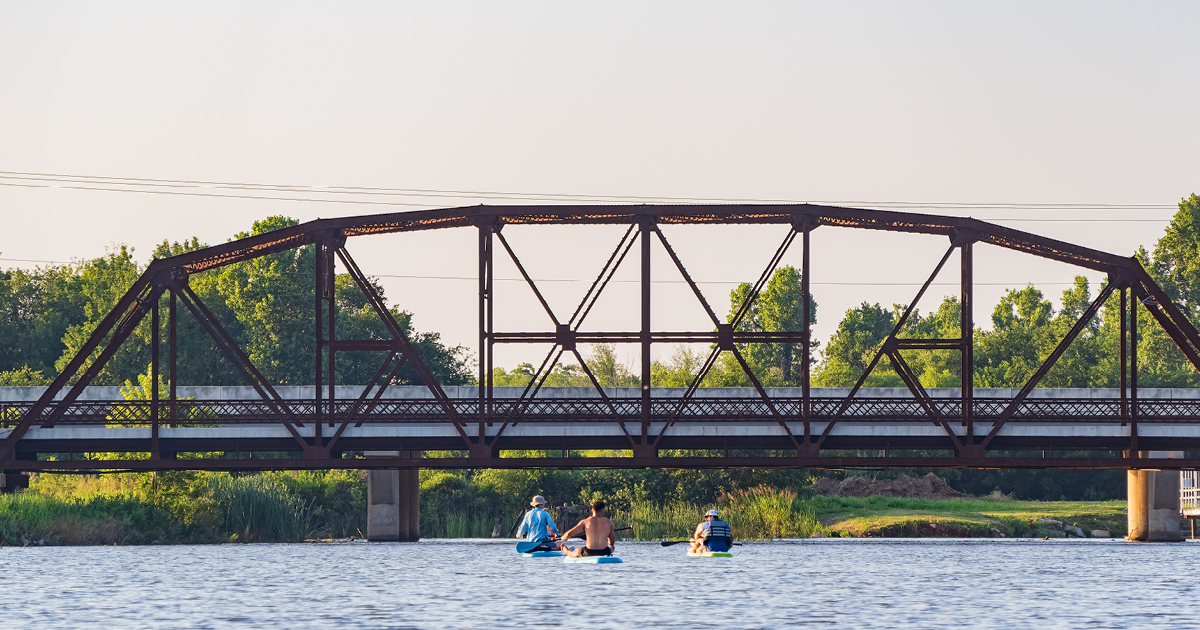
[
  {"x": 538, "y": 500},
  {"x": 711, "y": 513}
]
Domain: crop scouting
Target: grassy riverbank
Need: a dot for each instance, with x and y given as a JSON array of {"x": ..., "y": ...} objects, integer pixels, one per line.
[
  {"x": 186, "y": 507},
  {"x": 986, "y": 517}
]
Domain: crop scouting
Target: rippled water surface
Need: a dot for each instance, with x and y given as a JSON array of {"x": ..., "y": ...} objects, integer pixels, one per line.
[{"x": 485, "y": 584}]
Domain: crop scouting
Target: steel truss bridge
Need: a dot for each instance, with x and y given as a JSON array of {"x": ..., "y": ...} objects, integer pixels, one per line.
[{"x": 692, "y": 427}]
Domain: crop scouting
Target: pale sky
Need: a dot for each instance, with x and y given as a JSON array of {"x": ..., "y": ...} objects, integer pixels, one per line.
[{"x": 867, "y": 102}]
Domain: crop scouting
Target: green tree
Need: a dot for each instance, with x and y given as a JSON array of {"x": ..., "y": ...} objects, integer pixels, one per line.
[
  {"x": 102, "y": 282},
  {"x": 779, "y": 308},
  {"x": 36, "y": 309},
  {"x": 853, "y": 346},
  {"x": 265, "y": 304},
  {"x": 1176, "y": 261}
]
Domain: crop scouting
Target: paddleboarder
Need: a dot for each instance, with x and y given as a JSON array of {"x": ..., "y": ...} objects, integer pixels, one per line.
[
  {"x": 539, "y": 526},
  {"x": 601, "y": 534},
  {"x": 711, "y": 535}
]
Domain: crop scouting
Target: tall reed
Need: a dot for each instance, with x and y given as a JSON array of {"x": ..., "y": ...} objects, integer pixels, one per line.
[
  {"x": 259, "y": 507},
  {"x": 760, "y": 513}
]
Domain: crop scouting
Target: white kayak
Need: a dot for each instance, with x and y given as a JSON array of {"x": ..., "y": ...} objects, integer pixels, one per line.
[
  {"x": 594, "y": 560},
  {"x": 710, "y": 554},
  {"x": 543, "y": 554}
]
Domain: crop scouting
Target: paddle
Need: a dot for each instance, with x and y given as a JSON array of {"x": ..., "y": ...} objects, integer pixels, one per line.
[
  {"x": 668, "y": 543},
  {"x": 517, "y": 524}
]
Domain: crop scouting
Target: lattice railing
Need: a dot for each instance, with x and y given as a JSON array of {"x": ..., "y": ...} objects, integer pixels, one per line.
[{"x": 727, "y": 410}]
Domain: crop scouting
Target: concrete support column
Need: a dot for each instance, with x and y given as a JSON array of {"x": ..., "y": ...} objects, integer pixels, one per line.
[
  {"x": 1153, "y": 502},
  {"x": 393, "y": 501}
]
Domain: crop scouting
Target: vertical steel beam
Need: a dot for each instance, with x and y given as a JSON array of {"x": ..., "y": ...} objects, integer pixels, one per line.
[
  {"x": 485, "y": 316},
  {"x": 1124, "y": 355},
  {"x": 967, "y": 339},
  {"x": 491, "y": 342},
  {"x": 173, "y": 360},
  {"x": 1133, "y": 375},
  {"x": 647, "y": 225},
  {"x": 330, "y": 332},
  {"x": 154, "y": 352},
  {"x": 805, "y": 290},
  {"x": 318, "y": 284}
]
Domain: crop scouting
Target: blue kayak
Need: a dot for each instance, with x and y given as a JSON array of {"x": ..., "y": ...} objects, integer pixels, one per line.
[{"x": 543, "y": 554}]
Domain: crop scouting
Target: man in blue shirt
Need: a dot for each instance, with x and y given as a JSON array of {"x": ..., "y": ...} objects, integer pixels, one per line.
[{"x": 539, "y": 526}]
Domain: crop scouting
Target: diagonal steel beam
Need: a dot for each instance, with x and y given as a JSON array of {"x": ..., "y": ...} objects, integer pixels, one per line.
[
  {"x": 1158, "y": 309},
  {"x": 535, "y": 384},
  {"x": 730, "y": 327},
  {"x": 397, "y": 333},
  {"x": 764, "y": 278},
  {"x": 1041, "y": 372},
  {"x": 762, "y": 393},
  {"x": 683, "y": 272},
  {"x": 891, "y": 338},
  {"x": 691, "y": 390},
  {"x": 358, "y": 402},
  {"x": 382, "y": 386},
  {"x": 603, "y": 278},
  {"x": 119, "y": 313},
  {"x": 607, "y": 401},
  {"x": 918, "y": 391},
  {"x": 234, "y": 353},
  {"x": 895, "y": 331},
  {"x": 524, "y": 274},
  {"x": 1184, "y": 326},
  {"x": 127, "y": 325}
]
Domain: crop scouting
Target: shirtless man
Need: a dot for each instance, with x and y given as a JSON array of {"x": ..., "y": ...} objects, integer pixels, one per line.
[{"x": 601, "y": 534}]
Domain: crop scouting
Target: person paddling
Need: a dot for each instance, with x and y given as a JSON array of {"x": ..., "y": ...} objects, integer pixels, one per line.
[
  {"x": 711, "y": 535},
  {"x": 601, "y": 534},
  {"x": 539, "y": 526}
]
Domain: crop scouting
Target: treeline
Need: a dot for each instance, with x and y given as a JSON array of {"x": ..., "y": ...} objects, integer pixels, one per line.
[{"x": 266, "y": 304}]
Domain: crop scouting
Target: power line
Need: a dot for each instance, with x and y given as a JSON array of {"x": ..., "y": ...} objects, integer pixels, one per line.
[
  {"x": 425, "y": 205},
  {"x": 99, "y": 183},
  {"x": 194, "y": 194}
]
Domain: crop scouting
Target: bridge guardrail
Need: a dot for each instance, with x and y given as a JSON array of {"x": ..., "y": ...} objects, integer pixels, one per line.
[{"x": 195, "y": 413}]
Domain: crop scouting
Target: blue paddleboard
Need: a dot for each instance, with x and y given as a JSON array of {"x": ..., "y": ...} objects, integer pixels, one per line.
[
  {"x": 594, "y": 560},
  {"x": 542, "y": 554},
  {"x": 710, "y": 554}
]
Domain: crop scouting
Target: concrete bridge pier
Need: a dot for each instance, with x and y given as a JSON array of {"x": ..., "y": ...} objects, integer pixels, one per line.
[
  {"x": 1153, "y": 496},
  {"x": 393, "y": 501}
]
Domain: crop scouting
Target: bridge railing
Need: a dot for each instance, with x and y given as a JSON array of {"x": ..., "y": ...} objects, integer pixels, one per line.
[{"x": 725, "y": 410}]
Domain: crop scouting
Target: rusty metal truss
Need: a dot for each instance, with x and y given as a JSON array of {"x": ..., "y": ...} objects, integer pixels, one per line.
[{"x": 971, "y": 429}]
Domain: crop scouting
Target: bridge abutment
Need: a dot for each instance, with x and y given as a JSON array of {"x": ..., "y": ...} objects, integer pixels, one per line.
[
  {"x": 393, "y": 501},
  {"x": 1153, "y": 502}
]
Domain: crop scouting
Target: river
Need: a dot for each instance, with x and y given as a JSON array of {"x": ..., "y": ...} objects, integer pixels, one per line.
[{"x": 485, "y": 584}]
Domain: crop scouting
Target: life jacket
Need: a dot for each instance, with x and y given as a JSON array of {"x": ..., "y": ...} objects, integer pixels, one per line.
[{"x": 718, "y": 530}]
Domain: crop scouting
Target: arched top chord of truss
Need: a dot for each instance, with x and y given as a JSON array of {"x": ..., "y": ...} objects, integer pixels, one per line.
[{"x": 982, "y": 231}]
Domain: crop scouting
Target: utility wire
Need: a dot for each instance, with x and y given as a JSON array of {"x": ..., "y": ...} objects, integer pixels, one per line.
[
  {"x": 510, "y": 194},
  {"x": 49, "y": 180},
  {"x": 426, "y": 205}
]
